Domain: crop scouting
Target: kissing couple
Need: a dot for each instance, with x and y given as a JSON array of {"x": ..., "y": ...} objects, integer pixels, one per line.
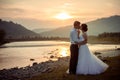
[{"x": 82, "y": 60}]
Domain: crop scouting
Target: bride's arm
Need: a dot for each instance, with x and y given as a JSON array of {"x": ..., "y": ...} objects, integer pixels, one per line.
[
  {"x": 85, "y": 36},
  {"x": 85, "y": 41}
]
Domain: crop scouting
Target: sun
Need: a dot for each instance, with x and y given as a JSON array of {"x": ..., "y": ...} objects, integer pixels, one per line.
[{"x": 63, "y": 16}]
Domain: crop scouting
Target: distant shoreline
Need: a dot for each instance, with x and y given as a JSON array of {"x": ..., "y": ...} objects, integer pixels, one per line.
[{"x": 89, "y": 42}]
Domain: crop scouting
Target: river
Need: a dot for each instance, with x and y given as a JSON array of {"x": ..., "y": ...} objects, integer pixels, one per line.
[{"x": 18, "y": 54}]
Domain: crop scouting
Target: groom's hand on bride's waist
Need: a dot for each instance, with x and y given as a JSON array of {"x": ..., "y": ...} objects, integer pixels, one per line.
[
  {"x": 82, "y": 42},
  {"x": 76, "y": 42}
]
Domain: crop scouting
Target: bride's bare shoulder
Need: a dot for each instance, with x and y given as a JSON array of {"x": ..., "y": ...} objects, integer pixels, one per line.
[{"x": 85, "y": 35}]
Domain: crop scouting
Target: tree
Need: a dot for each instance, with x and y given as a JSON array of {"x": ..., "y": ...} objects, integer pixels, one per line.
[
  {"x": 0, "y": 20},
  {"x": 2, "y": 37}
]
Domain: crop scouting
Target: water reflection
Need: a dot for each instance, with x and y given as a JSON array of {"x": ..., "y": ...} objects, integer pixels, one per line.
[
  {"x": 63, "y": 52},
  {"x": 20, "y": 53}
]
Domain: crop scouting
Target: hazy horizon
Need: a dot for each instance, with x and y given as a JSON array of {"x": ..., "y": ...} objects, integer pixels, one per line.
[{"x": 34, "y": 14}]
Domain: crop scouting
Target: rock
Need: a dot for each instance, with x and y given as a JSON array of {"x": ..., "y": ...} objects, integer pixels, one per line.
[
  {"x": 32, "y": 59},
  {"x": 104, "y": 60},
  {"x": 97, "y": 53},
  {"x": 49, "y": 53},
  {"x": 118, "y": 49},
  {"x": 51, "y": 56},
  {"x": 49, "y": 70},
  {"x": 100, "y": 57},
  {"x": 35, "y": 63}
]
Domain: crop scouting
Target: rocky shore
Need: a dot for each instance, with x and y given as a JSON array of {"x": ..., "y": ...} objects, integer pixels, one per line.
[
  {"x": 30, "y": 71},
  {"x": 59, "y": 73}
]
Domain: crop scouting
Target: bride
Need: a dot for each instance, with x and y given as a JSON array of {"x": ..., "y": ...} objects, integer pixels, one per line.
[{"x": 88, "y": 63}]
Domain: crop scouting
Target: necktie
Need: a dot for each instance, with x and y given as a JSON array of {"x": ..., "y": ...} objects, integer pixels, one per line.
[{"x": 78, "y": 33}]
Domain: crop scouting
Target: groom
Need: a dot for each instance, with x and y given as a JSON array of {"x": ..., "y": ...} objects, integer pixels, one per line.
[{"x": 74, "y": 47}]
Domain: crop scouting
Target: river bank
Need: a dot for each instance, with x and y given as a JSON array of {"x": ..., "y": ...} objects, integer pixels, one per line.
[
  {"x": 23, "y": 60},
  {"x": 18, "y": 54},
  {"x": 59, "y": 73},
  {"x": 55, "y": 70}
]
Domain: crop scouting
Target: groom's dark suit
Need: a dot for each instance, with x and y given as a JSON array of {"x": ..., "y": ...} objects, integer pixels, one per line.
[
  {"x": 73, "y": 59},
  {"x": 73, "y": 52}
]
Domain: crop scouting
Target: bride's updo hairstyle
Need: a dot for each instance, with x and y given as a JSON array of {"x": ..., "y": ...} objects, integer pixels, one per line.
[{"x": 84, "y": 27}]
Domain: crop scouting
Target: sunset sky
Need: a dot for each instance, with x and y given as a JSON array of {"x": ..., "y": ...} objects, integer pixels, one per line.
[{"x": 56, "y": 13}]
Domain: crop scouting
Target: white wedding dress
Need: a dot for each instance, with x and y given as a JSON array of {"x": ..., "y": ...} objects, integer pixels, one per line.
[{"x": 88, "y": 63}]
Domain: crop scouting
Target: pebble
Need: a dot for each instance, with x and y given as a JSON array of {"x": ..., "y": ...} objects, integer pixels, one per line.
[
  {"x": 97, "y": 53},
  {"x": 35, "y": 63},
  {"x": 51, "y": 56},
  {"x": 32, "y": 59}
]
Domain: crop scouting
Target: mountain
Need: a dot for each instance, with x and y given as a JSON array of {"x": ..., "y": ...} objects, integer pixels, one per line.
[
  {"x": 40, "y": 30},
  {"x": 15, "y": 30},
  {"x": 59, "y": 32},
  {"x": 108, "y": 24}
]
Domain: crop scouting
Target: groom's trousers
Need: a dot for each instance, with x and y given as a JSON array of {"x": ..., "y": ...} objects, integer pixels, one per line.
[{"x": 73, "y": 58}]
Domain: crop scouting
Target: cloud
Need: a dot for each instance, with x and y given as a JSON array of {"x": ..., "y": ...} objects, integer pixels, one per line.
[
  {"x": 11, "y": 9},
  {"x": 15, "y": 12},
  {"x": 5, "y": 2},
  {"x": 11, "y": 12},
  {"x": 41, "y": 12}
]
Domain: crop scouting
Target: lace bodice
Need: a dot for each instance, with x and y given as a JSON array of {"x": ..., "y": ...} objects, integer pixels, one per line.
[{"x": 81, "y": 37}]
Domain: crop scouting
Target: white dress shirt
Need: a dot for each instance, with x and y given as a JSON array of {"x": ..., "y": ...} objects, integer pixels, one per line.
[{"x": 73, "y": 36}]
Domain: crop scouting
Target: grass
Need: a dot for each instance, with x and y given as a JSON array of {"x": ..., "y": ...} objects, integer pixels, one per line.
[{"x": 112, "y": 73}]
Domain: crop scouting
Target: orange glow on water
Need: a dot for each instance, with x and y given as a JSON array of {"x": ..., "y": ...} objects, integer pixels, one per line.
[{"x": 63, "y": 52}]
